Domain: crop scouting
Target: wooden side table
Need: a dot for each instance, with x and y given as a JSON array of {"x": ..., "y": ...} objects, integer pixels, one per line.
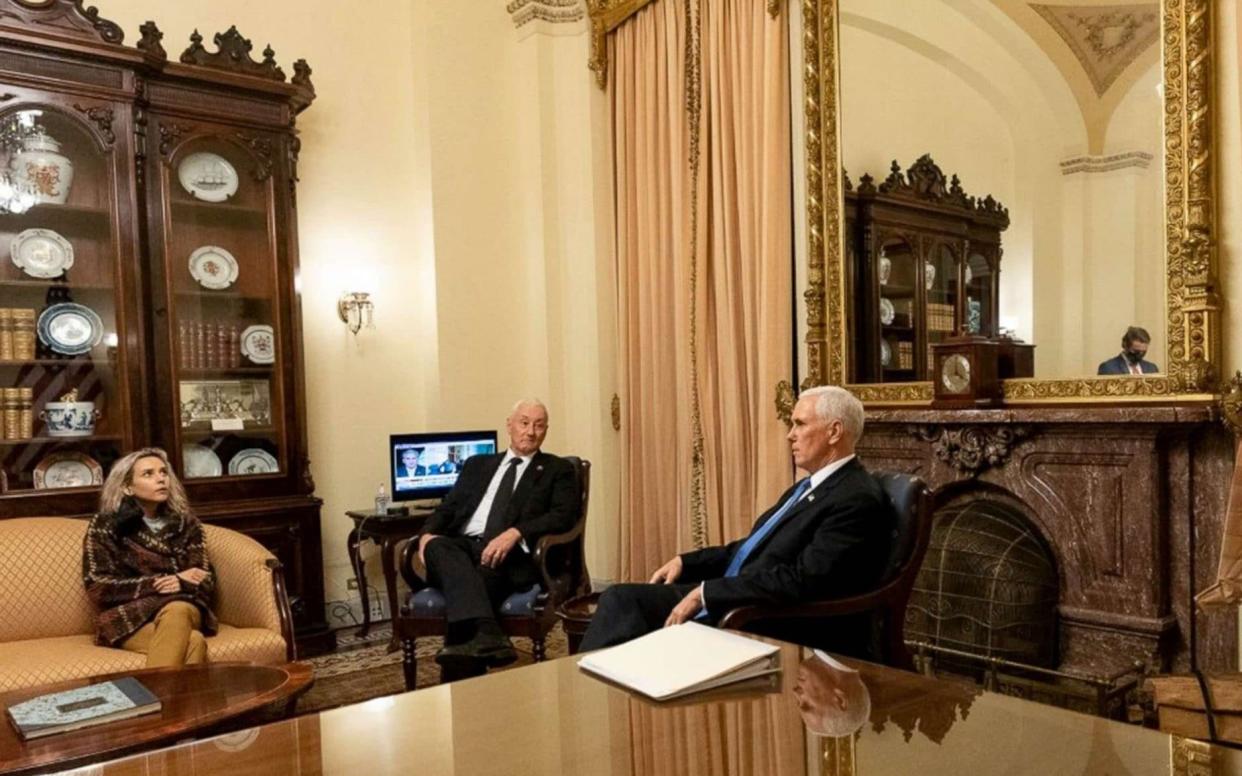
[{"x": 387, "y": 532}]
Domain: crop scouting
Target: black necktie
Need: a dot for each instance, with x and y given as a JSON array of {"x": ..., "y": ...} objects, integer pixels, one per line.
[{"x": 500, "y": 503}]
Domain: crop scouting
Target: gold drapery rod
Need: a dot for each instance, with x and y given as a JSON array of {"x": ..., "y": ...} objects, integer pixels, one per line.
[{"x": 608, "y": 15}]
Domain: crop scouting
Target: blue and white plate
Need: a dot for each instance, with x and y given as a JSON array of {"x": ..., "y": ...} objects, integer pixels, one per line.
[{"x": 69, "y": 328}]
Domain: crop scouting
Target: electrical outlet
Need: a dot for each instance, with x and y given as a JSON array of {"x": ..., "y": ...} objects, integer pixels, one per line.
[{"x": 351, "y": 583}]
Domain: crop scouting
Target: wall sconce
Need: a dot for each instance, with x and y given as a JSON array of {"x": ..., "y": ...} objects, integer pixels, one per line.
[{"x": 355, "y": 309}]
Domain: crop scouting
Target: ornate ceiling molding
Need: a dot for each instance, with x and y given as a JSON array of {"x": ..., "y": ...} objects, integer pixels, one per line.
[
  {"x": 552, "y": 11},
  {"x": 1105, "y": 39},
  {"x": 1090, "y": 164}
]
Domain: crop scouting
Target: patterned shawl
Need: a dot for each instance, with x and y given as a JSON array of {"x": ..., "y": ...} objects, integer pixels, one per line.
[{"x": 122, "y": 558}]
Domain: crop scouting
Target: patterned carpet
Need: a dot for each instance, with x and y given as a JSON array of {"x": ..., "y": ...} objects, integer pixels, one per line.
[{"x": 362, "y": 669}]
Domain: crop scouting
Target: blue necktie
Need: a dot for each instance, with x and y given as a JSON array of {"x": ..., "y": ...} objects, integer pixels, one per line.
[{"x": 758, "y": 536}]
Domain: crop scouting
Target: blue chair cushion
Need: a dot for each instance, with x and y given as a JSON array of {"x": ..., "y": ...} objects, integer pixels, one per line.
[{"x": 429, "y": 602}]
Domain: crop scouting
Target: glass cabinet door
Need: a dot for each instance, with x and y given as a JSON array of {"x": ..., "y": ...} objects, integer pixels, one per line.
[
  {"x": 940, "y": 280},
  {"x": 897, "y": 272},
  {"x": 980, "y": 293},
  {"x": 221, "y": 276},
  {"x": 62, "y": 375}
]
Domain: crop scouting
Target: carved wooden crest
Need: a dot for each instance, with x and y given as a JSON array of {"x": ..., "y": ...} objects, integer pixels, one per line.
[
  {"x": 925, "y": 181},
  {"x": 70, "y": 18},
  {"x": 971, "y": 449},
  {"x": 149, "y": 43},
  {"x": 232, "y": 54}
]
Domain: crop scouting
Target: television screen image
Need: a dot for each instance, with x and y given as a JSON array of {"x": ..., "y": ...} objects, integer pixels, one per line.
[{"x": 425, "y": 466}]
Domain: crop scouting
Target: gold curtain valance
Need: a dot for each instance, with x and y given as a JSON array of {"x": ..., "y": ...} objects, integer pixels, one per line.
[{"x": 608, "y": 15}]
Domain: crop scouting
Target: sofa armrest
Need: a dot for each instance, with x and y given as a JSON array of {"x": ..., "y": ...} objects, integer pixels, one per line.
[{"x": 250, "y": 591}]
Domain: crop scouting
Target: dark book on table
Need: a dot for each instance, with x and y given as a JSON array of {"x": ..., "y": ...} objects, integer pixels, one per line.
[{"x": 95, "y": 704}]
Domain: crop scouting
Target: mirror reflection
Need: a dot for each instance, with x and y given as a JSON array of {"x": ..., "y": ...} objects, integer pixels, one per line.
[{"x": 1005, "y": 177}]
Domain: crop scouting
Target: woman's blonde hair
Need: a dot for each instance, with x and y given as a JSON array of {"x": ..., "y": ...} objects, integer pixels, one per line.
[{"x": 122, "y": 475}]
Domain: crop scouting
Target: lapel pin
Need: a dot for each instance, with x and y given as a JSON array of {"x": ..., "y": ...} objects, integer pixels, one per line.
[{"x": 811, "y": 497}]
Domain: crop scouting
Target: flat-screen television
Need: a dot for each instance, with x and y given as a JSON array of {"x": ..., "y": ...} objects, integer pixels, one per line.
[{"x": 425, "y": 466}]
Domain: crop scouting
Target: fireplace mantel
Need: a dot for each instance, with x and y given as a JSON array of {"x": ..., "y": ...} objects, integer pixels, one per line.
[{"x": 1130, "y": 499}]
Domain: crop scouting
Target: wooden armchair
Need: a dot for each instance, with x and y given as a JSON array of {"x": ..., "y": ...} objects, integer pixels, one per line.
[
  {"x": 912, "y": 502},
  {"x": 531, "y": 614}
]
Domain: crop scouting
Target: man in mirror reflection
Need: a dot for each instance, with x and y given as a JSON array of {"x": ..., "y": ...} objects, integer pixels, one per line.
[
  {"x": 827, "y": 536},
  {"x": 1132, "y": 358},
  {"x": 477, "y": 545},
  {"x": 409, "y": 466}
]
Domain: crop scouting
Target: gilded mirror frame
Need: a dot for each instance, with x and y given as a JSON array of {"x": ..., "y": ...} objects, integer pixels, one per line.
[{"x": 1193, "y": 317}]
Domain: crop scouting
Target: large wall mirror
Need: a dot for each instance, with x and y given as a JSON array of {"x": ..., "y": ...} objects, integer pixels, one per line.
[{"x": 1085, "y": 127}]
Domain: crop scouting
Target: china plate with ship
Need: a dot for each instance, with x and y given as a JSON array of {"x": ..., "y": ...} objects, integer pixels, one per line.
[{"x": 206, "y": 176}]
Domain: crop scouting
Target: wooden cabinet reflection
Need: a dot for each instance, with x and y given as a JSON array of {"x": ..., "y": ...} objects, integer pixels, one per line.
[{"x": 289, "y": 749}]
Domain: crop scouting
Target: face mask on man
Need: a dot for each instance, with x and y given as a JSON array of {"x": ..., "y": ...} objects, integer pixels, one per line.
[{"x": 1134, "y": 356}]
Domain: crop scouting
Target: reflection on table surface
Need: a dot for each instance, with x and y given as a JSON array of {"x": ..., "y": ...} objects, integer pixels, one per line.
[{"x": 550, "y": 718}]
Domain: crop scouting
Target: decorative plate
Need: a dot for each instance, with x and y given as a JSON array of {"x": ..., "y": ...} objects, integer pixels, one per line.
[
  {"x": 208, "y": 177},
  {"x": 41, "y": 253},
  {"x": 929, "y": 274},
  {"x": 252, "y": 460},
  {"x": 213, "y": 267},
  {"x": 67, "y": 470},
  {"x": 200, "y": 462},
  {"x": 969, "y": 275},
  {"x": 886, "y": 353},
  {"x": 886, "y": 269},
  {"x": 887, "y": 313},
  {"x": 258, "y": 343},
  {"x": 69, "y": 328}
]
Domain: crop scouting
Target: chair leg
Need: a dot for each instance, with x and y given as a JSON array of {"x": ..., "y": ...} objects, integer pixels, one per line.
[
  {"x": 409, "y": 663},
  {"x": 538, "y": 648}
]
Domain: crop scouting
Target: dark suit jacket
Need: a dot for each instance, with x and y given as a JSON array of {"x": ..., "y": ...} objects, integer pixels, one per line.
[
  {"x": 835, "y": 542},
  {"x": 1118, "y": 366},
  {"x": 419, "y": 471},
  {"x": 545, "y": 501}
]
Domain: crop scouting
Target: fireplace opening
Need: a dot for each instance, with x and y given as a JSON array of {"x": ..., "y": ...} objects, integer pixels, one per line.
[{"x": 988, "y": 586}]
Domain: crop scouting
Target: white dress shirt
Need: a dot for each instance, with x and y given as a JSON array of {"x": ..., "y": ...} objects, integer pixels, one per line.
[
  {"x": 817, "y": 479},
  {"x": 478, "y": 521}
]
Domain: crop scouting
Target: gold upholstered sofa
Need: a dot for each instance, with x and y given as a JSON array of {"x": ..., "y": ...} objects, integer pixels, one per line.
[{"x": 47, "y": 622}]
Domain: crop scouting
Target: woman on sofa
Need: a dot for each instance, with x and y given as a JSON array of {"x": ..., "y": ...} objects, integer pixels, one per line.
[{"x": 145, "y": 564}]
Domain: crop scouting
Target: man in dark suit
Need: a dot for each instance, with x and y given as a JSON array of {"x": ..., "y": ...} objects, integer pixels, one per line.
[
  {"x": 1131, "y": 359},
  {"x": 827, "y": 536},
  {"x": 476, "y": 547}
]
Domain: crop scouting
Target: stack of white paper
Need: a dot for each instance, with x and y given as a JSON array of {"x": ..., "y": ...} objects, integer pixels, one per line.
[{"x": 686, "y": 658}]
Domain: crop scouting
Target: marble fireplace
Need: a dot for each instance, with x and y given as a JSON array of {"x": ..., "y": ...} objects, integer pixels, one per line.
[{"x": 1129, "y": 503}]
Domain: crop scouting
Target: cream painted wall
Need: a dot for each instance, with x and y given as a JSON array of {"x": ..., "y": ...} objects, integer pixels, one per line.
[{"x": 449, "y": 167}]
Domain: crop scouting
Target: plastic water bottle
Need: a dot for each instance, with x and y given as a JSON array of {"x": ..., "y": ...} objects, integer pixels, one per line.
[{"x": 381, "y": 501}]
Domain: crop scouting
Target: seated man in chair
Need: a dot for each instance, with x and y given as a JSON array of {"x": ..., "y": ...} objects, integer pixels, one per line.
[
  {"x": 476, "y": 546},
  {"x": 827, "y": 536}
]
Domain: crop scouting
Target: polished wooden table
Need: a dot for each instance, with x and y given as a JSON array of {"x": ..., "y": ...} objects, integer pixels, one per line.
[
  {"x": 550, "y": 719},
  {"x": 196, "y": 700},
  {"x": 387, "y": 532}
]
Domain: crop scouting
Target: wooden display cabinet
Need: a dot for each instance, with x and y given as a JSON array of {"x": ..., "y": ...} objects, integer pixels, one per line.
[
  {"x": 923, "y": 265},
  {"x": 180, "y": 215}
]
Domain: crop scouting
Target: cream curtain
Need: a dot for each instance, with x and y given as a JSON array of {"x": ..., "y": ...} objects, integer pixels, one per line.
[{"x": 700, "y": 102}]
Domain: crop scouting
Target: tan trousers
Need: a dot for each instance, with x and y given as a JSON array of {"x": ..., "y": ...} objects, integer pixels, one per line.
[{"x": 172, "y": 638}]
